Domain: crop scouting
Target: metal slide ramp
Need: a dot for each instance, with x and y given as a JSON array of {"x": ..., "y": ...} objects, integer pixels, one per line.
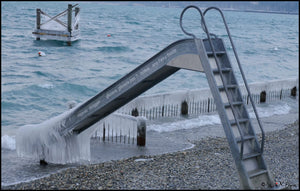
[
  {"x": 180, "y": 54},
  {"x": 203, "y": 55}
]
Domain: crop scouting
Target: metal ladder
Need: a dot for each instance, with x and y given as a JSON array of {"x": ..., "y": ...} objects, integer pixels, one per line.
[{"x": 242, "y": 139}]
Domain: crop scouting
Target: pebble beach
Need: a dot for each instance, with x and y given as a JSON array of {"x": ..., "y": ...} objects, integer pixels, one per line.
[{"x": 208, "y": 165}]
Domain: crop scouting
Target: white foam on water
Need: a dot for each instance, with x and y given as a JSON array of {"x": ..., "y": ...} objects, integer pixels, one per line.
[
  {"x": 8, "y": 142},
  {"x": 46, "y": 86},
  {"x": 202, "y": 120},
  {"x": 271, "y": 110}
]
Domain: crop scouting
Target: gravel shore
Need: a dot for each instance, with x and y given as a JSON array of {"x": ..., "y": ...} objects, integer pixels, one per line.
[{"x": 208, "y": 165}]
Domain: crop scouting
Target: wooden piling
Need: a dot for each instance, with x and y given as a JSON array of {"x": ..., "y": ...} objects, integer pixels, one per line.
[
  {"x": 135, "y": 112},
  {"x": 70, "y": 17},
  {"x": 43, "y": 162},
  {"x": 294, "y": 91},
  {"x": 184, "y": 108},
  {"x": 77, "y": 9},
  {"x": 248, "y": 97},
  {"x": 263, "y": 96},
  {"x": 103, "y": 137},
  {"x": 69, "y": 22},
  {"x": 38, "y": 20},
  {"x": 208, "y": 103},
  {"x": 141, "y": 131}
]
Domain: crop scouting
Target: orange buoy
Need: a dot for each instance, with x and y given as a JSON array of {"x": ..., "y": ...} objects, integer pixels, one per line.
[{"x": 108, "y": 35}]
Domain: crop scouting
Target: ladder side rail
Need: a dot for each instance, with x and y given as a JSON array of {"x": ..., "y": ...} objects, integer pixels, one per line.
[
  {"x": 243, "y": 75},
  {"x": 225, "y": 87},
  {"x": 219, "y": 68}
]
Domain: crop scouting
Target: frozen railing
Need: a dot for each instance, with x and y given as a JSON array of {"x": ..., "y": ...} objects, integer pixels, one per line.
[
  {"x": 120, "y": 128},
  {"x": 200, "y": 101},
  {"x": 43, "y": 141}
]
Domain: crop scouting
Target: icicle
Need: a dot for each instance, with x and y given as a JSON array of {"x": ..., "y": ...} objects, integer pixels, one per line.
[{"x": 43, "y": 141}]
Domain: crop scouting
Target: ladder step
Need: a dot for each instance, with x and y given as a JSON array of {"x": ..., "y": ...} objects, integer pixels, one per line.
[
  {"x": 230, "y": 86},
  {"x": 216, "y": 71},
  {"x": 256, "y": 172},
  {"x": 244, "y": 120},
  {"x": 246, "y": 137},
  {"x": 218, "y": 53},
  {"x": 250, "y": 155},
  {"x": 237, "y": 103}
]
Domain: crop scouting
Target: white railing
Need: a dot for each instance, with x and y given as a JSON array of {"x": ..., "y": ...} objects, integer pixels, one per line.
[
  {"x": 120, "y": 128},
  {"x": 200, "y": 101}
]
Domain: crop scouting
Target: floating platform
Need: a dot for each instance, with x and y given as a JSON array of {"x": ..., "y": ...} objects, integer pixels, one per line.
[
  {"x": 55, "y": 29},
  {"x": 56, "y": 35}
]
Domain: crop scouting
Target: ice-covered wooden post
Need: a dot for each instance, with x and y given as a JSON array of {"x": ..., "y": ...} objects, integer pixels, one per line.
[
  {"x": 294, "y": 91},
  {"x": 263, "y": 96},
  {"x": 38, "y": 20},
  {"x": 141, "y": 131},
  {"x": 76, "y": 25},
  {"x": 184, "y": 108},
  {"x": 141, "y": 128},
  {"x": 69, "y": 21},
  {"x": 135, "y": 112}
]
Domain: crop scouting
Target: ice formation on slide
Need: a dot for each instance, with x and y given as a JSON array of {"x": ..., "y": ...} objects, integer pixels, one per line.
[{"x": 44, "y": 141}]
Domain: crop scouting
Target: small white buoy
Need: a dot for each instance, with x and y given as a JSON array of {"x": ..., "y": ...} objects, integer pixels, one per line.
[
  {"x": 71, "y": 104},
  {"x": 41, "y": 53}
]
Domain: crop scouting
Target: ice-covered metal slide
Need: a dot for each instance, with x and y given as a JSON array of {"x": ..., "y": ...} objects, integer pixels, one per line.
[
  {"x": 203, "y": 55},
  {"x": 180, "y": 54}
]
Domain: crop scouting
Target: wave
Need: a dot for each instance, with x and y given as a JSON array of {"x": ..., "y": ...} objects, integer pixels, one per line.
[
  {"x": 12, "y": 105},
  {"x": 8, "y": 142},
  {"x": 39, "y": 73},
  {"x": 42, "y": 89},
  {"x": 202, "y": 120},
  {"x": 205, "y": 120},
  {"x": 271, "y": 110},
  {"x": 15, "y": 76},
  {"x": 46, "y": 86},
  {"x": 133, "y": 22},
  {"x": 249, "y": 52},
  {"x": 114, "y": 49}
]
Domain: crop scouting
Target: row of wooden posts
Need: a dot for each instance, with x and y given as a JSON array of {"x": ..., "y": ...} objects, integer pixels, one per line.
[
  {"x": 132, "y": 132},
  {"x": 184, "y": 111},
  {"x": 184, "y": 108}
]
